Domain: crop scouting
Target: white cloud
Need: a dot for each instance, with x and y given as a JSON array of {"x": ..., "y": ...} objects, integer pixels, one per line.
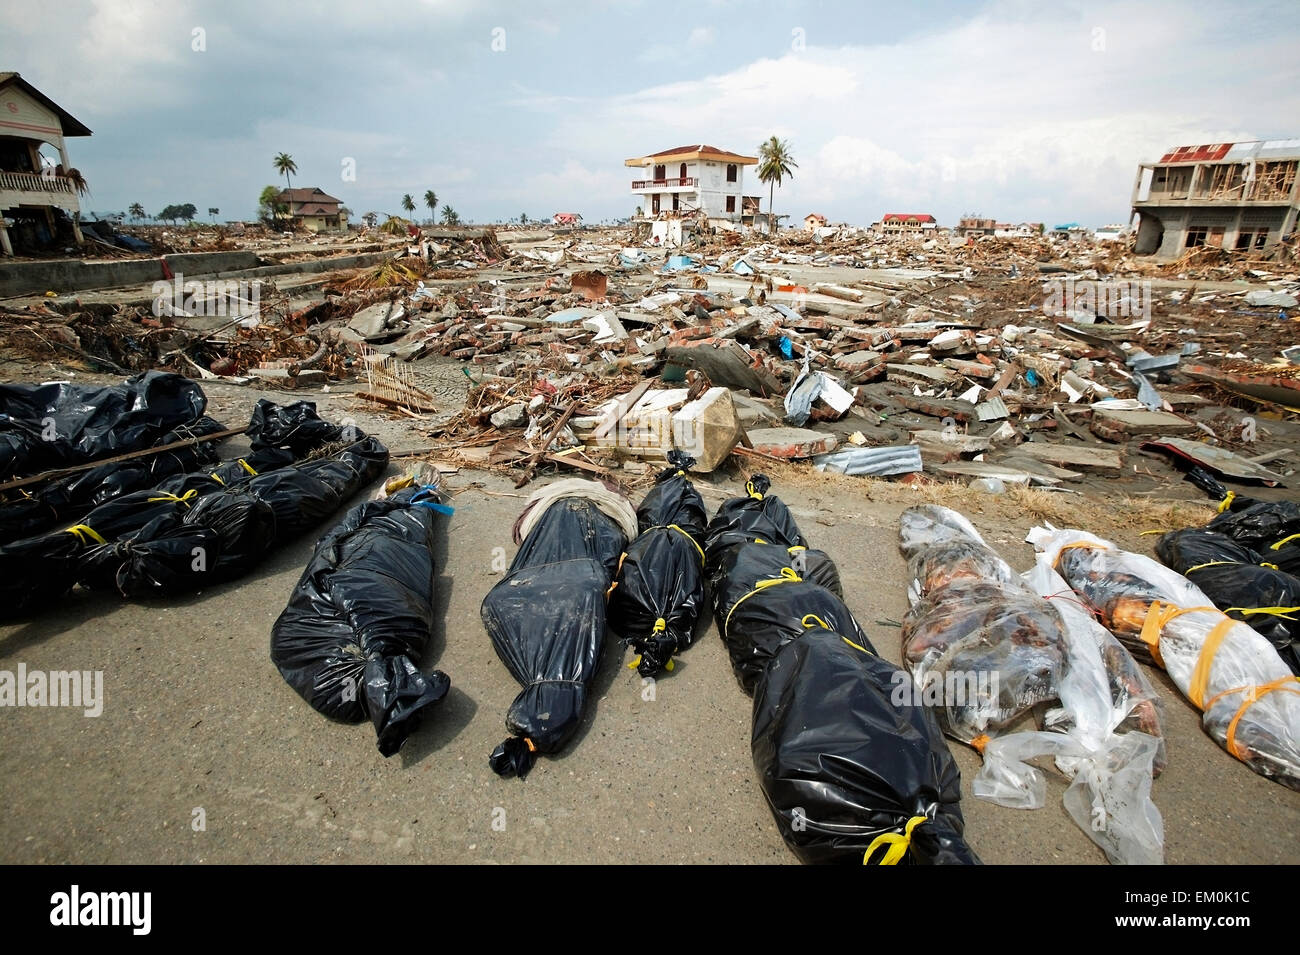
[
  {"x": 701, "y": 36},
  {"x": 1015, "y": 111}
]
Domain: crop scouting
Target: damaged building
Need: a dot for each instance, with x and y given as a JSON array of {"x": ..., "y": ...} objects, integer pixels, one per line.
[
  {"x": 1240, "y": 196},
  {"x": 38, "y": 186},
  {"x": 689, "y": 180}
]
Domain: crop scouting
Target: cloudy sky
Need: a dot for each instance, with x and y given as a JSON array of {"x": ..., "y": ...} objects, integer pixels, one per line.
[{"x": 1019, "y": 110}]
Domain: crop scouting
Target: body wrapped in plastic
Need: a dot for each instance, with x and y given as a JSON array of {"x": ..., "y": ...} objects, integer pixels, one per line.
[
  {"x": 660, "y": 584},
  {"x": 547, "y": 622},
  {"x": 1249, "y": 698},
  {"x": 850, "y": 775},
  {"x": 359, "y": 620}
]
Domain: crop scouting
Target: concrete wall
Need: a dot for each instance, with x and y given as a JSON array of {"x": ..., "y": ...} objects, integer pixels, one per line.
[
  {"x": 76, "y": 275},
  {"x": 1176, "y": 220}
]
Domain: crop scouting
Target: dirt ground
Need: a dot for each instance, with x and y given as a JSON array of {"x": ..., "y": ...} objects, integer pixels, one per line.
[{"x": 197, "y": 717}]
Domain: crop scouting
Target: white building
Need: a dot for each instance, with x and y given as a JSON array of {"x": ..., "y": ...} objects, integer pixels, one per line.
[
  {"x": 34, "y": 183},
  {"x": 688, "y": 180}
]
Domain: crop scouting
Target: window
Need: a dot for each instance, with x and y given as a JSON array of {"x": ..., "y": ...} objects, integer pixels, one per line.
[
  {"x": 654, "y": 204},
  {"x": 1245, "y": 238},
  {"x": 731, "y": 203},
  {"x": 675, "y": 198},
  {"x": 731, "y": 172},
  {"x": 660, "y": 173},
  {"x": 682, "y": 174},
  {"x": 1196, "y": 237}
]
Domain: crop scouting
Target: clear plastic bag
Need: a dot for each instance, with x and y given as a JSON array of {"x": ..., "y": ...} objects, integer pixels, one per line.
[
  {"x": 1250, "y": 700},
  {"x": 1110, "y": 795}
]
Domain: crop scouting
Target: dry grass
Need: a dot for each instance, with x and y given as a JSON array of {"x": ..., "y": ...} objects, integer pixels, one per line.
[{"x": 1101, "y": 515}]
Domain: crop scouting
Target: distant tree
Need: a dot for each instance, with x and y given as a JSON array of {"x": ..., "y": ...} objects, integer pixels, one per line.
[
  {"x": 284, "y": 165},
  {"x": 187, "y": 211},
  {"x": 408, "y": 203},
  {"x": 168, "y": 214},
  {"x": 137, "y": 211},
  {"x": 450, "y": 216},
  {"x": 431, "y": 200},
  {"x": 523, "y": 218},
  {"x": 269, "y": 208},
  {"x": 213, "y": 212},
  {"x": 774, "y": 164}
]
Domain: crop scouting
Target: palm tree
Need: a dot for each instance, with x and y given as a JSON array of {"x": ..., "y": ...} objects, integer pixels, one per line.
[
  {"x": 136, "y": 211},
  {"x": 523, "y": 218},
  {"x": 408, "y": 203},
  {"x": 284, "y": 165},
  {"x": 450, "y": 216},
  {"x": 774, "y": 164},
  {"x": 431, "y": 200},
  {"x": 213, "y": 212}
]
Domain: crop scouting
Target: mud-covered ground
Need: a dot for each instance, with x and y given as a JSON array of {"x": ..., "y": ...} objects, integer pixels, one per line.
[{"x": 196, "y": 717}]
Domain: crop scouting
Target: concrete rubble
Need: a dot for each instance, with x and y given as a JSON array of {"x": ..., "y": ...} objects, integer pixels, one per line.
[{"x": 594, "y": 351}]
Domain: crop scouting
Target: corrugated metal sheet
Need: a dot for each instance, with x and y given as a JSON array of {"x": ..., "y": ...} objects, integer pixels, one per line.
[{"x": 877, "y": 462}]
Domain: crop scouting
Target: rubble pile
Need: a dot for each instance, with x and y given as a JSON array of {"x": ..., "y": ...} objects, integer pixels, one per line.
[{"x": 1034, "y": 361}]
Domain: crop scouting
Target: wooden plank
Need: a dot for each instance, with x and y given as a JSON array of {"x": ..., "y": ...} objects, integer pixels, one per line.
[
  {"x": 143, "y": 453},
  {"x": 536, "y": 456},
  {"x": 620, "y": 410},
  {"x": 393, "y": 403}
]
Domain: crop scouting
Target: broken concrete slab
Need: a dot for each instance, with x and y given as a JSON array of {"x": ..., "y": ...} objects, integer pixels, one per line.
[
  {"x": 791, "y": 443},
  {"x": 1121, "y": 424},
  {"x": 726, "y": 362},
  {"x": 513, "y": 416},
  {"x": 1082, "y": 458},
  {"x": 1008, "y": 474},
  {"x": 923, "y": 374}
]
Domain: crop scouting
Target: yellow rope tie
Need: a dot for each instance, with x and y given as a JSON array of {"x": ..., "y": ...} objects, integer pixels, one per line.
[
  {"x": 84, "y": 531},
  {"x": 661, "y": 626},
  {"x": 855, "y": 646},
  {"x": 1264, "y": 563},
  {"x": 217, "y": 479},
  {"x": 787, "y": 576},
  {"x": 698, "y": 549},
  {"x": 1200, "y": 679},
  {"x": 1253, "y": 695},
  {"x": 1271, "y": 611},
  {"x": 248, "y": 467},
  {"x": 1210, "y": 563},
  {"x": 1284, "y": 540},
  {"x": 898, "y": 843},
  {"x": 817, "y": 621},
  {"x": 183, "y": 499},
  {"x": 749, "y": 489},
  {"x": 1227, "y": 502},
  {"x": 1158, "y": 530},
  {"x": 1158, "y": 616}
]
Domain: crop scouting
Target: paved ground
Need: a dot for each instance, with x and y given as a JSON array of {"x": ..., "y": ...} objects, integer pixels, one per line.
[{"x": 196, "y": 716}]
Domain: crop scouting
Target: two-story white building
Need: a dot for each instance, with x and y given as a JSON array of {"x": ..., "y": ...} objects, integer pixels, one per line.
[
  {"x": 33, "y": 183},
  {"x": 689, "y": 180}
]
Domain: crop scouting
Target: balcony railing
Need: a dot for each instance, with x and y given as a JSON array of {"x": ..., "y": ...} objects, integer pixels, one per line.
[
  {"x": 665, "y": 183},
  {"x": 30, "y": 182}
]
